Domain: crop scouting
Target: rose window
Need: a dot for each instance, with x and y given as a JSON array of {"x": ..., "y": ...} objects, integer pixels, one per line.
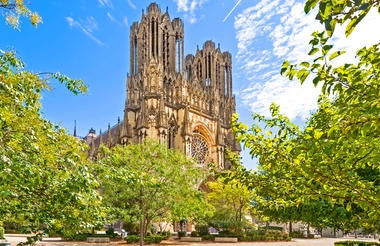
[{"x": 199, "y": 148}]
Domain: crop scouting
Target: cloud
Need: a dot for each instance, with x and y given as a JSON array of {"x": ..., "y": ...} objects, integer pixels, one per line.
[
  {"x": 190, "y": 7},
  {"x": 125, "y": 21},
  {"x": 272, "y": 31},
  {"x": 106, "y": 3},
  {"x": 110, "y": 17},
  {"x": 130, "y": 3},
  {"x": 87, "y": 27}
]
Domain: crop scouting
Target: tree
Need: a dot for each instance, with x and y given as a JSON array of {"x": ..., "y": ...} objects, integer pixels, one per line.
[
  {"x": 45, "y": 179},
  {"x": 231, "y": 200},
  {"x": 149, "y": 183},
  {"x": 14, "y": 9},
  {"x": 335, "y": 158}
]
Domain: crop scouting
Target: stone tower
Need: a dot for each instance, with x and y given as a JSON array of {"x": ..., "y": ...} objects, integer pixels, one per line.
[{"x": 185, "y": 103}]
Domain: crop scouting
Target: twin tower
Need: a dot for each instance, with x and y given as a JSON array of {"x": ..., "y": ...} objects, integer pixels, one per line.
[{"x": 183, "y": 102}]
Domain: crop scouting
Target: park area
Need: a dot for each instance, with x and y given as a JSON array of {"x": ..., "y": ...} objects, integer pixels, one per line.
[{"x": 14, "y": 239}]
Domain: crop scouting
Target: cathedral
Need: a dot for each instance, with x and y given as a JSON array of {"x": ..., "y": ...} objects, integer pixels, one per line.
[{"x": 183, "y": 102}]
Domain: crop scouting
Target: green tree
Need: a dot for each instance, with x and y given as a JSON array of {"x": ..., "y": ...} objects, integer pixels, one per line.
[
  {"x": 335, "y": 158},
  {"x": 231, "y": 200},
  {"x": 14, "y": 9},
  {"x": 45, "y": 180},
  {"x": 149, "y": 183}
]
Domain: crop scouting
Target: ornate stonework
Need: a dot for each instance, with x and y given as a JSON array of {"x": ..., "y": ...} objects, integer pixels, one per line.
[{"x": 183, "y": 102}]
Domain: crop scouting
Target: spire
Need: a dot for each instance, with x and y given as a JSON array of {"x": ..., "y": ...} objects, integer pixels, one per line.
[
  {"x": 125, "y": 131},
  {"x": 75, "y": 128},
  {"x": 100, "y": 137},
  {"x": 109, "y": 137}
]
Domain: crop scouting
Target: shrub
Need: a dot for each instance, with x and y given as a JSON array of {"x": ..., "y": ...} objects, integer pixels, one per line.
[
  {"x": 355, "y": 243},
  {"x": 153, "y": 239},
  {"x": 277, "y": 228},
  {"x": 296, "y": 234},
  {"x": 195, "y": 234},
  {"x": 181, "y": 234},
  {"x": 81, "y": 236},
  {"x": 111, "y": 233},
  {"x": 208, "y": 237},
  {"x": 164, "y": 234},
  {"x": 132, "y": 239},
  {"x": 264, "y": 235},
  {"x": 2, "y": 233},
  {"x": 202, "y": 230}
]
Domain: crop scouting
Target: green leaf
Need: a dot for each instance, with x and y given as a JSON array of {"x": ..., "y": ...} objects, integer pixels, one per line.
[
  {"x": 336, "y": 54},
  {"x": 313, "y": 51},
  {"x": 310, "y": 4}
]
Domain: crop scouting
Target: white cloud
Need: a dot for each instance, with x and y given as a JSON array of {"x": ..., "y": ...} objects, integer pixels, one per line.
[
  {"x": 130, "y": 3},
  {"x": 105, "y": 3},
  {"x": 87, "y": 27},
  {"x": 125, "y": 21},
  {"x": 272, "y": 31},
  {"x": 190, "y": 7},
  {"x": 110, "y": 17}
]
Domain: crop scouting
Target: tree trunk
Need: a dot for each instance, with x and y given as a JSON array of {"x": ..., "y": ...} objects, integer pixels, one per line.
[{"x": 290, "y": 227}]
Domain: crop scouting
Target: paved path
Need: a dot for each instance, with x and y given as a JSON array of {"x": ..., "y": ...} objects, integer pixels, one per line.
[{"x": 295, "y": 242}]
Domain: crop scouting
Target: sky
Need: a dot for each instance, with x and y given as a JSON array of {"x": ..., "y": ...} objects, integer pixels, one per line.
[{"x": 89, "y": 40}]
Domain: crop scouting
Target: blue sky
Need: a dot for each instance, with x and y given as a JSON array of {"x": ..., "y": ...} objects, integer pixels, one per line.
[{"x": 89, "y": 40}]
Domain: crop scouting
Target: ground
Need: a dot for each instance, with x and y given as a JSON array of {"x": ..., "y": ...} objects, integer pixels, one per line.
[{"x": 14, "y": 239}]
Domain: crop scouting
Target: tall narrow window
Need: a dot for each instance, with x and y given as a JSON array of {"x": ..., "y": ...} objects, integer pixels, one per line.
[
  {"x": 178, "y": 51},
  {"x": 208, "y": 70},
  {"x": 226, "y": 80},
  {"x": 135, "y": 57},
  {"x": 152, "y": 26}
]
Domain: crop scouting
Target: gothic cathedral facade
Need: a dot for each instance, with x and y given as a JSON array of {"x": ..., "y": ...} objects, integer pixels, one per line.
[{"x": 183, "y": 102}]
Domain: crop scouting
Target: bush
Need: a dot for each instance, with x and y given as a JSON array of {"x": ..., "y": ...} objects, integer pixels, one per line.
[
  {"x": 208, "y": 237},
  {"x": 202, "y": 230},
  {"x": 111, "y": 233},
  {"x": 355, "y": 243},
  {"x": 2, "y": 233},
  {"x": 181, "y": 234},
  {"x": 195, "y": 234},
  {"x": 164, "y": 234},
  {"x": 296, "y": 234},
  {"x": 81, "y": 236},
  {"x": 264, "y": 235},
  {"x": 153, "y": 239},
  {"x": 132, "y": 239},
  {"x": 277, "y": 228}
]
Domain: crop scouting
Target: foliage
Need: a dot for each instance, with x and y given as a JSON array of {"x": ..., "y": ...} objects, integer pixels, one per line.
[
  {"x": 153, "y": 239},
  {"x": 202, "y": 230},
  {"x": 132, "y": 239},
  {"x": 45, "y": 179},
  {"x": 181, "y": 234},
  {"x": 231, "y": 200},
  {"x": 354, "y": 243},
  {"x": 14, "y": 9},
  {"x": 264, "y": 235},
  {"x": 333, "y": 162},
  {"x": 2, "y": 232},
  {"x": 151, "y": 183}
]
